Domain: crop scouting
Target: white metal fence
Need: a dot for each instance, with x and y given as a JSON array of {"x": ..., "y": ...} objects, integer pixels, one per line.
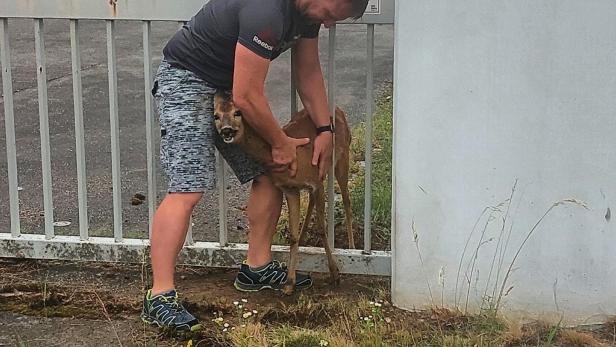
[{"x": 84, "y": 247}]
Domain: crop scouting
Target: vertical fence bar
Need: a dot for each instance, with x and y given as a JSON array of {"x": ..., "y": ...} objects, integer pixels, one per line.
[
  {"x": 115, "y": 131},
  {"x": 222, "y": 199},
  {"x": 80, "y": 148},
  {"x": 41, "y": 78},
  {"x": 149, "y": 123},
  {"x": 9, "y": 123},
  {"x": 189, "y": 241},
  {"x": 189, "y": 234},
  {"x": 331, "y": 93},
  {"x": 368, "y": 154},
  {"x": 294, "y": 108}
]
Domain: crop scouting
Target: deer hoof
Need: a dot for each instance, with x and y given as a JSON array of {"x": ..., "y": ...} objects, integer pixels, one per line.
[
  {"x": 288, "y": 289},
  {"x": 334, "y": 279}
]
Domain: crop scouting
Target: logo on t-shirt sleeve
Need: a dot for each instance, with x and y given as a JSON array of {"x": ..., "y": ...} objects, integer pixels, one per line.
[{"x": 265, "y": 39}]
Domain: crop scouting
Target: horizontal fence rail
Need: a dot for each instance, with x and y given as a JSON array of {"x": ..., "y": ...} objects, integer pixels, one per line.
[
  {"x": 152, "y": 10},
  {"x": 85, "y": 247},
  {"x": 200, "y": 253}
]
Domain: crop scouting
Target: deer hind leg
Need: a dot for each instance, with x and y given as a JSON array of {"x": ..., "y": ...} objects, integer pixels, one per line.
[
  {"x": 342, "y": 177},
  {"x": 293, "y": 198},
  {"x": 320, "y": 220}
]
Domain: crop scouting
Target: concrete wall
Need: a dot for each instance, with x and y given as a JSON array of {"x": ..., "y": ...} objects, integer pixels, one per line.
[{"x": 503, "y": 109}]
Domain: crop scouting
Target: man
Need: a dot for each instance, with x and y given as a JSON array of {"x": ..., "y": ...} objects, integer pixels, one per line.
[{"x": 229, "y": 44}]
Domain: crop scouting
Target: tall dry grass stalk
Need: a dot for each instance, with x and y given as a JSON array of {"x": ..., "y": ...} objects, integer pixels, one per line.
[
  {"x": 530, "y": 233},
  {"x": 423, "y": 268},
  {"x": 497, "y": 277}
]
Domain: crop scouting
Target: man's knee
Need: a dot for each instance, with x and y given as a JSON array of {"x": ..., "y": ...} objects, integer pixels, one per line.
[
  {"x": 265, "y": 202},
  {"x": 185, "y": 201}
]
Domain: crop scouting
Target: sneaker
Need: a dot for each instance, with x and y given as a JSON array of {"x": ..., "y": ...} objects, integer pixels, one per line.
[
  {"x": 165, "y": 311},
  {"x": 270, "y": 276}
]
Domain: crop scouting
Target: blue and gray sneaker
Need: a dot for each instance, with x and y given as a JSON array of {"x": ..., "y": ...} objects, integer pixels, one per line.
[
  {"x": 165, "y": 311},
  {"x": 270, "y": 276}
]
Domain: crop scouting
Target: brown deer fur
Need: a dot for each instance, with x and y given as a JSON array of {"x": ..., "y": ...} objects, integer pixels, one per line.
[{"x": 233, "y": 129}]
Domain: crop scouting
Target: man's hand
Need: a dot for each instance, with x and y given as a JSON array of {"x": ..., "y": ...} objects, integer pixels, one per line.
[
  {"x": 322, "y": 154},
  {"x": 284, "y": 155}
]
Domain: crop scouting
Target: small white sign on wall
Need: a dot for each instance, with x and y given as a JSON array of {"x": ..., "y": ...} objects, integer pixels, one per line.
[{"x": 374, "y": 7}]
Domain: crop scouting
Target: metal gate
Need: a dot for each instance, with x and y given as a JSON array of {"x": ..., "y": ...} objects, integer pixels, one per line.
[{"x": 13, "y": 243}]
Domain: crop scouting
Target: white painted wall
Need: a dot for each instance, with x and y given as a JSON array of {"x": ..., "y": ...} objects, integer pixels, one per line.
[{"x": 488, "y": 92}]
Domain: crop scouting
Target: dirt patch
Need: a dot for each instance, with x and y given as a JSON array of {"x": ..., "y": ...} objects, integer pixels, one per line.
[
  {"x": 55, "y": 303},
  {"x": 99, "y": 296}
]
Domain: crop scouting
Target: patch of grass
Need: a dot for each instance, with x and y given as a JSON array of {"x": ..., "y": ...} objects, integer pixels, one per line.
[
  {"x": 19, "y": 342},
  {"x": 335, "y": 322},
  {"x": 381, "y": 167},
  {"x": 296, "y": 337},
  {"x": 251, "y": 335},
  {"x": 577, "y": 338}
]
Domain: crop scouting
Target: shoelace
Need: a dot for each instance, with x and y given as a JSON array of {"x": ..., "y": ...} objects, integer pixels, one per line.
[
  {"x": 278, "y": 265},
  {"x": 175, "y": 305}
]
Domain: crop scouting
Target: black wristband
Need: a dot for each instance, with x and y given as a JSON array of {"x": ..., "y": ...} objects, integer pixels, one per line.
[{"x": 325, "y": 128}]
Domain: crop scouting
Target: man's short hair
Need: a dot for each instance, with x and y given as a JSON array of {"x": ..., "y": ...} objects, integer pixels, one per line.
[{"x": 358, "y": 8}]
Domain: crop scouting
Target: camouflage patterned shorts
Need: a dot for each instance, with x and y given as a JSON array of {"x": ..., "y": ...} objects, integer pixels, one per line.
[{"x": 188, "y": 134}]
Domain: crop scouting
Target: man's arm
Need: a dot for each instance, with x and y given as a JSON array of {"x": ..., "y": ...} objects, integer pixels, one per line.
[
  {"x": 249, "y": 96},
  {"x": 309, "y": 80},
  {"x": 311, "y": 89}
]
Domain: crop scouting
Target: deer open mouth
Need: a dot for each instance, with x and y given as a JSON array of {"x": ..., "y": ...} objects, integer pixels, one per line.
[{"x": 228, "y": 134}]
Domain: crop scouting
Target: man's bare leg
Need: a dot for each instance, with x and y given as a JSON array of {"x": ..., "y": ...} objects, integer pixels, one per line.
[
  {"x": 168, "y": 234},
  {"x": 263, "y": 212}
]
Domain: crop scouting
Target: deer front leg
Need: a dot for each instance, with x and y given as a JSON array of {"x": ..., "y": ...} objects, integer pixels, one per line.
[
  {"x": 320, "y": 220},
  {"x": 306, "y": 223},
  {"x": 293, "y": 204}
]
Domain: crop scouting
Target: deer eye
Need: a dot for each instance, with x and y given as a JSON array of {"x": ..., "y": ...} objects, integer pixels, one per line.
[{"x": 237, "y": 114}]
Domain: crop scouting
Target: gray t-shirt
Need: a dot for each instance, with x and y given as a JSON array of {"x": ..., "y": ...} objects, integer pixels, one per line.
[{"x": 206, "y": 44}]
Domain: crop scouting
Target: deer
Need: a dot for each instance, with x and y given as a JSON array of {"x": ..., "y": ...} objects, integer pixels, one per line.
[{"x": 234, "y": 130}]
